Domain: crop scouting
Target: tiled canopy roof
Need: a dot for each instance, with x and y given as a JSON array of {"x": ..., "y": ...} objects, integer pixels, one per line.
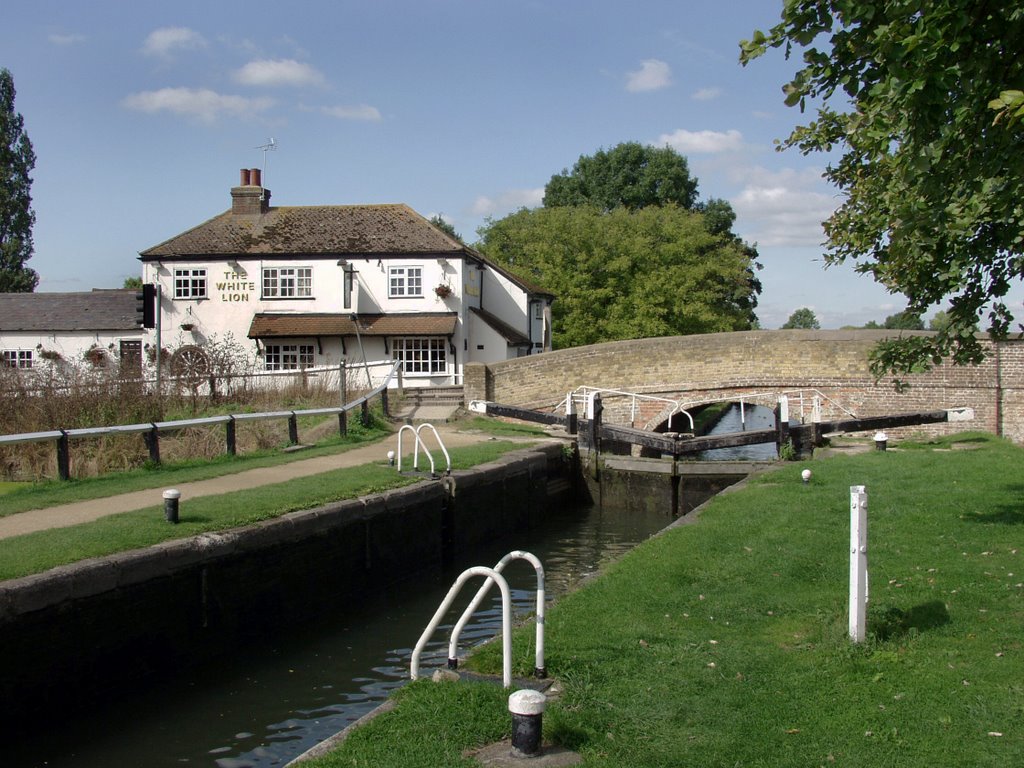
[
  {"x": 48, "y": 312},
  {"x": 377, "y": 230},
  {"x": 510, "y": 334},
  {"x": 270, "y": 325}
]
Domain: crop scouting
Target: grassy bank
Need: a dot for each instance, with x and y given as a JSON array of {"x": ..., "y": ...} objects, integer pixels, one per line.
[
  {"x": 51, "y": 493},
  {"x": 40, "y": 551},
  {"x": 724, "y": 643}
]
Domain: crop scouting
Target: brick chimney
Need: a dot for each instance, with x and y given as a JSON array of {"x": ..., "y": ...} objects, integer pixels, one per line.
[{"x": 249, "y": 197}]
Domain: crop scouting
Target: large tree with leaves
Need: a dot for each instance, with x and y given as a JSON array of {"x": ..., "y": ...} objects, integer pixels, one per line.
[
  {"x": 630, "y": 175},
  {"x": 16, "y": 217},
  {"x": 623, "y": 274},
  {"x": 919, "y": 98}
]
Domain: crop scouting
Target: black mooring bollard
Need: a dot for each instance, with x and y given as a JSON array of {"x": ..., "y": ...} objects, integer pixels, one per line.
[
  {"x": 171, "y": 497},
  {"x": 527, "y": 708}
]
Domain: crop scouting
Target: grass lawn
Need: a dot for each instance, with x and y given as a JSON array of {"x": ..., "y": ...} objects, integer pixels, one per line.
[
  {"x": 42, "y": 550},
  {"x": 724, "y": 643}
]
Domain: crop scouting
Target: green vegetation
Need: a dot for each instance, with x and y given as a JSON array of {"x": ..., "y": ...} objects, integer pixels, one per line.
[
  {"x": 17, "y": 159},
  {"x": 619, "y": 274},
  {"x": 502, "y": 428},
  {"x": 725, "y": 643},
  {"x": 54, "y": 492},
  {"x": 620, "y": 238},
  {"x": 803, "y": 318},
  {"x": 917, "y": 106},
  {"x": 37, "y": 552}
]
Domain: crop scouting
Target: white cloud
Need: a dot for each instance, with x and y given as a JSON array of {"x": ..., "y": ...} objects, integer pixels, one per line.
[
  {"x": 66, "y": 39},
  {"x": 358, "y": 112},
  {"x": 202, "y": 104},
  {"x": 507, "y": 201},
  {"x": 706, "y": 94},
  {"x": 784, "y": 208},
  {"x": 702, "y": 142},
  {"x": 278, "y": 72},
  {"x": 166, "y": 40},
  {"x": 653, "y": 75}
]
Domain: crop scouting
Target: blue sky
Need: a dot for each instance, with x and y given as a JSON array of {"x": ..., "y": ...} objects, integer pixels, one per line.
[{"x": 142, "y": 113}]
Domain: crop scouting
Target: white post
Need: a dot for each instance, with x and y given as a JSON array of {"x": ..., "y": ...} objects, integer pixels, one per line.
[
  {"x": 858, "y": 562},
  {"x": 816, "y": 410}
]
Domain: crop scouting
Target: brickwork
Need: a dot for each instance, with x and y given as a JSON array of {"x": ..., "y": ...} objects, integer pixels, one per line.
[{"x": 733, "y": 364}]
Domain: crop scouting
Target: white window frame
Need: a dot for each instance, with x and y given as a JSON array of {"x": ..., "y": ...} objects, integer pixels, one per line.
[
  {"x": 190, "y": 283},
  {"x": 421, "y": 355},
  {"x": 288, "y": 357},
  {"x": 287, "y": 282},
  {"x": 405, "y": 281},
  {"x": 17, "y": 358}
]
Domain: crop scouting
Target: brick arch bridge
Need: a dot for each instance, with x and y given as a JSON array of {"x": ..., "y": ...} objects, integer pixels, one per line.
[{"x": 722, "y": 365}]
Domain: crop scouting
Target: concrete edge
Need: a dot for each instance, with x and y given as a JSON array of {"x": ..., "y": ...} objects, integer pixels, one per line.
[{"x": 93, "y": 576}]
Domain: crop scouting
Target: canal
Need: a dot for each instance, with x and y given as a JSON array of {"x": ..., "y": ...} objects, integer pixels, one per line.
[{"x": 280, "y": 696}]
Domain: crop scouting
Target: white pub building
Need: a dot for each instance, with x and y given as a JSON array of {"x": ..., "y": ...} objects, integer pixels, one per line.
[{"x": 313, "y": 286}]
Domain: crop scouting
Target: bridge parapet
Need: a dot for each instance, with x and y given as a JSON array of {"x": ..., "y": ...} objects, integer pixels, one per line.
[{"x": 731, "y": 364}]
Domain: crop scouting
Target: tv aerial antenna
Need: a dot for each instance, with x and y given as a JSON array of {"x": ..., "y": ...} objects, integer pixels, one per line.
[{"x": 270, "y": 146}]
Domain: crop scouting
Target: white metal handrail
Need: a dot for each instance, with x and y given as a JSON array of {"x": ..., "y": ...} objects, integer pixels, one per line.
[
  {"x": 585, "y": 392},
  {"x": 773, "y": 397},
  {"x": 506, "y": 621},
  {"x": 420, "y": 442},
  {"x": 453, "y": 645},
  {"x": 803, "y": 396}
]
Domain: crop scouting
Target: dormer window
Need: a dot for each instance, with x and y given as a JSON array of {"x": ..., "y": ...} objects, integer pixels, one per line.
[{"x": 405, "y": 282}]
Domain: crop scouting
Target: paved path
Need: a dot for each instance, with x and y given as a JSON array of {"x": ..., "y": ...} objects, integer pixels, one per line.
[{"x": 85, "y": 511}]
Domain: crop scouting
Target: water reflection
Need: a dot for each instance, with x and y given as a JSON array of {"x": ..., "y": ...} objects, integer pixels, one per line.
[
  {"x": 746, "y": 418},
  {"x": 274, "y": 701}
]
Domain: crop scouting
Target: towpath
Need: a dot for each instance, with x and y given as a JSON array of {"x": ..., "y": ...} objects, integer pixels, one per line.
[{"x": 86, "y": 511}]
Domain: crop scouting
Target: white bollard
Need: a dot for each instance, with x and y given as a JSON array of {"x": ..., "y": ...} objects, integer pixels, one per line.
[{"x": 858, "y": 562}]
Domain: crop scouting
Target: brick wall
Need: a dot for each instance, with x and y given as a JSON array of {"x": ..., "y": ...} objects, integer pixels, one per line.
[{"x": 731, "y": 364}]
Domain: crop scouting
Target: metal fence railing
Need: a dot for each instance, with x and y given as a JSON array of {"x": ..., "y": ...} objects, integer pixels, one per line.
[{"x": 151, "y": 432}]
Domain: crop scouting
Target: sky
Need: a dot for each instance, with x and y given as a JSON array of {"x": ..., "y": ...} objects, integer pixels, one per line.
[{"x": 141, "y": 115}]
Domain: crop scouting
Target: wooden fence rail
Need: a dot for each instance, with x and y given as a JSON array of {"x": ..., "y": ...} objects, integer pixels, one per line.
[{"x": 151, "y": 432}]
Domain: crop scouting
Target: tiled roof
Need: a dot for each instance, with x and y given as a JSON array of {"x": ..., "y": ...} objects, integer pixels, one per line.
[
  {"x": 308, "y": 230},
  {"x": 510, "y": 334},
  {"x": 270, "y": 325},
  {"x": 95, "y": 311}
]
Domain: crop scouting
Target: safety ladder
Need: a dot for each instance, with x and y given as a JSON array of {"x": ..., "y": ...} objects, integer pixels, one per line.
[
  {"x": 421, "y": 444},
  {"x": 493, "y": 576}
]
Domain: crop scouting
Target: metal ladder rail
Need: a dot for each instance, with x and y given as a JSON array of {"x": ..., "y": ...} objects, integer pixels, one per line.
[
  {"x": 416, "y": 437},
  {"x": 539, "y": 670},
  {"x": 416, "y": 451},
  {"x": 440, "y": 443},
  {"x": 506, "y": 621}
]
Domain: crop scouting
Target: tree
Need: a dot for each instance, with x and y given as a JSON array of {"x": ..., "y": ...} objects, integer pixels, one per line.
[
  {"x": 446, "y": 227},
  {"x": 631, "y": 175},
  {"x": 802, "y": 318},
  {"x": 625, "y": 274},
  {"x": 906, "y": 320},
  {"x": 920, "y": 99},
  {"x": 132, "y": 283},
  {"x": 16, "y": 216}
]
